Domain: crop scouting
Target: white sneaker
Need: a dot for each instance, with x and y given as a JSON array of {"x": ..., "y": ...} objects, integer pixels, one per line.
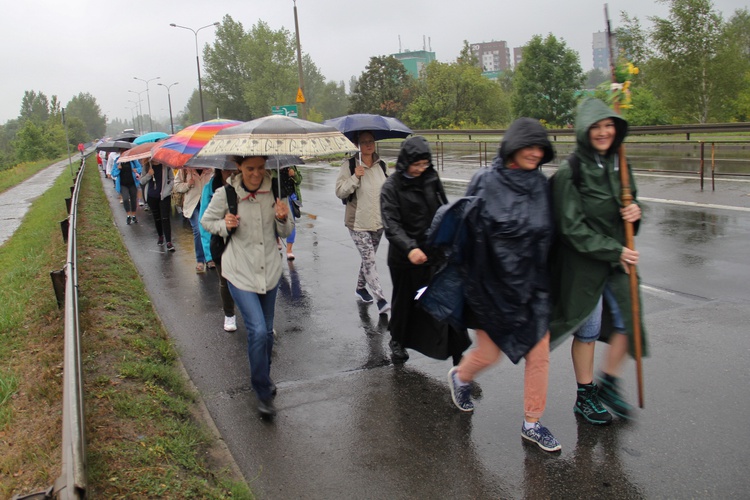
[{"x": 230, "y": 323}]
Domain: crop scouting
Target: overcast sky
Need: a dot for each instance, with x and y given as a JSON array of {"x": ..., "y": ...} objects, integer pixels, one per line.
[{"x": 66, "y": 47}]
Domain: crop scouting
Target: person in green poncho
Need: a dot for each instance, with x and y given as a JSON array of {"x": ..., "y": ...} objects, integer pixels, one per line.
[{"x": 590, "y": 285}]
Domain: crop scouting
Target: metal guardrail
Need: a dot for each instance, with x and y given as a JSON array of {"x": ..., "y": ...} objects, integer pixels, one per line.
[
  {"x": 72, "y": 482},
  {"x": 706, "y": 128}
]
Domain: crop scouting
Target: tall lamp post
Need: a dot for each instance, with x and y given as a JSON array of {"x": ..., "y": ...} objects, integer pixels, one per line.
[
  {"x": 132, "y": 114},
  {"x": 169, "y": 98},
  {"x": 301, "y": 102},
  {"x": 197, "y": 60},
  {"x": 140, "y": 109},
  {"x": 148, "y": 98}
]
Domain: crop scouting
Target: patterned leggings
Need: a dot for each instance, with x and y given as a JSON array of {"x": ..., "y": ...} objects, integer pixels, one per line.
[{"x": 367, "y": 243}]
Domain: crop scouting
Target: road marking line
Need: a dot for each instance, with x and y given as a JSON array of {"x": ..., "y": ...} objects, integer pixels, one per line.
[
  {"x": 693, "y": 204},
  {"x": 653, "y": 200}
]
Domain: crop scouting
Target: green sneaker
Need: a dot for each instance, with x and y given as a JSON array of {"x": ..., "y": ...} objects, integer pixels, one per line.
[
  {"x": 589, "y": 406},
  {"x": 611, "y": 395}
]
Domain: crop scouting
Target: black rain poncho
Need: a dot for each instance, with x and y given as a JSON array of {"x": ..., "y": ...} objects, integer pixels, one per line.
[{"x": 497, "y": 245}]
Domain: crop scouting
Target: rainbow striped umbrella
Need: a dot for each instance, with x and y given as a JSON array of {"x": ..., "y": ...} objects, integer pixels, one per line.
[{"x": 178, "y": 149}]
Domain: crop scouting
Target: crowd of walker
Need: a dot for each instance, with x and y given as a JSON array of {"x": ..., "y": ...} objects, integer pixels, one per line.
[{"x": 524, "y": 261}]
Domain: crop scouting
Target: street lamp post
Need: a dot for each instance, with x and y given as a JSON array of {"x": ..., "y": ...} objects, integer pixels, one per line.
[
  {"x": 302, "y": 104},
  {"x": 140, "y": 109},
  {"x": 169, "y": 98},
  {"x": 197, "y": 60},
  {"x": 148, "y": 98},
  {"x": 132, "y": 113}
]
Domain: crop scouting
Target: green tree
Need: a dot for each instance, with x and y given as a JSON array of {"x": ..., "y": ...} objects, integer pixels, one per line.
[
  {"x": 546, "y": 80},
  {"x": 226, "y": 70},
  {"x": 633, "y": 40},
  {"x": 34, "y": 106},
  {"x": 272, "y": 60},
  {"x": 466, "y": 56},
  {"x": 595, "y": 77},
  {"x": 84, "y": 107},
  {"x": 332, "y": 100},
  {"x": 455, "y": 95},
  {"x": 382, "y": 88},
  {"x": 697, "y": 71}
]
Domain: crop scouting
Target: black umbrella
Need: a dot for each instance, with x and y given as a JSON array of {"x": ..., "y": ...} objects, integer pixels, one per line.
[
  {"x": 114, "y": 146},
  {"x": 125, "y": 136}
]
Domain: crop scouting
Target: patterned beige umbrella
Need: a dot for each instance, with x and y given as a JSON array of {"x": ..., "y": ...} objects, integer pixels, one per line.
[{"x": 278, "y": 135}]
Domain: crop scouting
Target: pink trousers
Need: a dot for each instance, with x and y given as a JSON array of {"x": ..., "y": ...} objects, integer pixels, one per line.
[{"x": 536, "y": 371}]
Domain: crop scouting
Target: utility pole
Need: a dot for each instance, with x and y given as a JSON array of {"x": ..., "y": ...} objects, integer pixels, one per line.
[{"x": 301, "y": 92}]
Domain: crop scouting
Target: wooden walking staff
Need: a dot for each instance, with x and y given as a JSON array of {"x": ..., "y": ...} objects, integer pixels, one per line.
[{"x": 627, "y": 199}]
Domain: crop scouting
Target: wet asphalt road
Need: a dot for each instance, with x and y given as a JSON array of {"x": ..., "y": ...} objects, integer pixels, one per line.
[{"x": 352, "y": 425}]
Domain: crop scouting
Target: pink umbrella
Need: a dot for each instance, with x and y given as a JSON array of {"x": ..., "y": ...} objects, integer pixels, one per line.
[{"x": 178, "y": 149}]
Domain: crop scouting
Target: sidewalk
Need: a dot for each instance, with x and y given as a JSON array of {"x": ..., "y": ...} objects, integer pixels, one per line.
[{"x": 15, "y": 202}]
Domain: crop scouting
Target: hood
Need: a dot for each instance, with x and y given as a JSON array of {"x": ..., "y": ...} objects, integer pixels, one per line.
[
  {"x": 591, "y": 111},
  {"x": 413, "y": 149},
  {"x": 522, "y": 133}
]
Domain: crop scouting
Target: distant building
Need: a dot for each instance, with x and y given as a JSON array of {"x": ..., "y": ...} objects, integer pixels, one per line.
[
  {"x": 415, "y": 60},
  {"x": 492, "y": 56},
  {"x": 517, "y": 55},
  {"x": 600, "y": 51}
]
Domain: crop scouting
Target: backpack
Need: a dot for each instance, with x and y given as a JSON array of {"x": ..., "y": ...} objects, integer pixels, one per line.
[
  {"x": 218, "y": 243},
  {"x": 352, "y": 166}
]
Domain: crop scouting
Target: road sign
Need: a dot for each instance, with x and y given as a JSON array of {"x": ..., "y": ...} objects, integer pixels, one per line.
[
  {"x": 300, "y": 96},
  {"x": 287, "y": 110}
]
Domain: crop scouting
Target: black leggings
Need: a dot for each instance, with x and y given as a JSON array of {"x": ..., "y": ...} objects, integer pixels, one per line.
[
  {"x": 129, "y": 197},
  {"x": 161, "y": 209}
]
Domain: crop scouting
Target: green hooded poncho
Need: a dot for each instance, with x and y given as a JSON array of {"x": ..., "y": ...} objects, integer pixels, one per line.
[{"x": 590, "y": 232}]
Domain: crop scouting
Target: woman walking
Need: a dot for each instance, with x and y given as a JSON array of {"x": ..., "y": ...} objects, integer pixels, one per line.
[
  {"x": 190, "y": 182},
  {"x": 158, "y": 183},
  {"x": 126, "y": 176},
  {"x": 359, "y": 182},
  {"x": 251, "y": 264},
  {"x": 590, "y": 281},
  {"x": 506, "y": 293},
  {"x": 408, "y": 202}
]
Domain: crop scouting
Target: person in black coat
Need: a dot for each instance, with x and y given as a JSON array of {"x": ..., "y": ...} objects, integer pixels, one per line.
[
  {"x": 504, "y": 272},
  {"x": 408, "y": 202}
]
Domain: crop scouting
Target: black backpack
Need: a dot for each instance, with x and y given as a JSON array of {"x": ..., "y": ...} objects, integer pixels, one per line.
[
  {"x": 218, "y": 243},
  {"x": 352, "y": 166}
]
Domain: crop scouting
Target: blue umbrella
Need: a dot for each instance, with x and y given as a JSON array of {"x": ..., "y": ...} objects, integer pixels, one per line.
[
  {"x": 150, "y": 137},
  {"x": 382, "y": 127}
]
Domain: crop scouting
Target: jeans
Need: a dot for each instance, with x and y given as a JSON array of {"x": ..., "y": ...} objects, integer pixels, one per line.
[
  {"x": 591, "y": 328},
  {"x": 257, "y": 312},
  {"x": 195, "y": 222}
]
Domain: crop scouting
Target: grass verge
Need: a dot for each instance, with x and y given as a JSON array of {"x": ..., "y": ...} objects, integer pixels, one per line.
[
  {"x": 15, "y": 175},
  {"x": 144, "y": 436}
]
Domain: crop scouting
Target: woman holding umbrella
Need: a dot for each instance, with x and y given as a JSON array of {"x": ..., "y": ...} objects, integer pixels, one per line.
[
  {"x": 158, "y": 183},
  {"x": 250, "y": 263},
  {"x": 358, "y": 184}
]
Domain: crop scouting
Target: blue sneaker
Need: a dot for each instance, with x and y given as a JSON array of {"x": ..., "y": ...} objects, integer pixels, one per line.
[
  {"x": 383, "y": 306},
  {"x": 540, "y": 435},
  {"x": 363, "y": 295},
  {"x": 461, "y": 394}
]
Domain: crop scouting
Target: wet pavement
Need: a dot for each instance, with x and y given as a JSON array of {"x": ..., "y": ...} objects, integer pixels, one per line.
[{"x": 351, "y": 424}]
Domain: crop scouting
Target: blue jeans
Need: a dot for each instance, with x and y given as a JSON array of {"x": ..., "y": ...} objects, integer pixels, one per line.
[
  {"x": 257, "y": 311},
  {"x": 197, "y": 243}
]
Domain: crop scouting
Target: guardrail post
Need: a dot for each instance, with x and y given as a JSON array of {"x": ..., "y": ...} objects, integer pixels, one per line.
[
  {"x": 64, "y": 227},
  {"x": 702, "y": 165},
  {"x": 67, "y": 205},
  {"x": 58, "y": 285},
  {"x": 713, "y": 166}
]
